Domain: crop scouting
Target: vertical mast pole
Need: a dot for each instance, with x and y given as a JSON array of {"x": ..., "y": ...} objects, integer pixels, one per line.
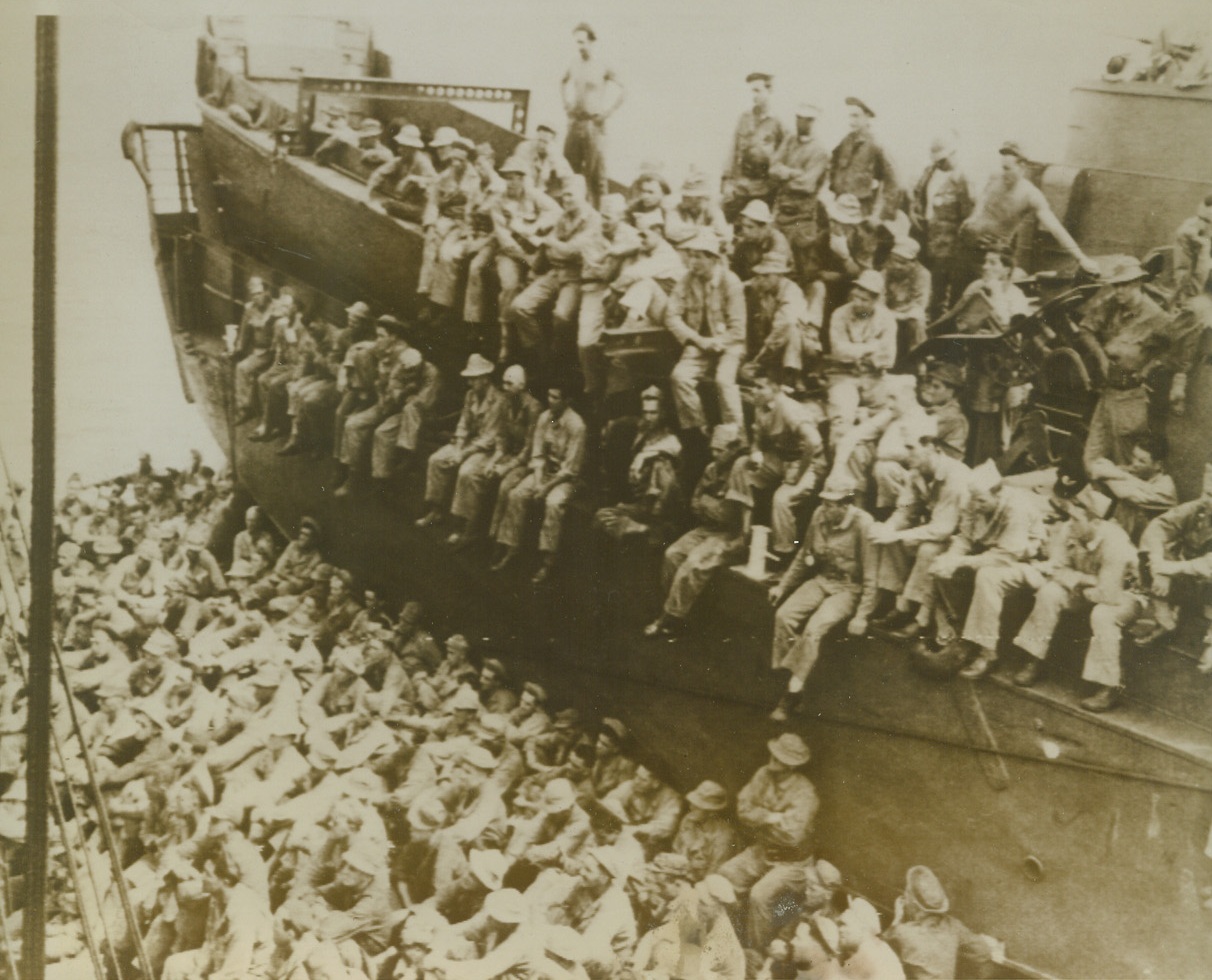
[{"x": 42, "y": 523}]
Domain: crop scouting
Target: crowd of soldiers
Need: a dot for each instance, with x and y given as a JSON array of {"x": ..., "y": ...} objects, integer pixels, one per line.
[
  {"x": 794, "y": 302},
  {"x": 303, "y": 785}
]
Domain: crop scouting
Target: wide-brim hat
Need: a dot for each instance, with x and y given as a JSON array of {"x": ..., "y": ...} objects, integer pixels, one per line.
[
  {"x": 558, "y": 797},
  {"x": 845, "y": 209},
  {"x": 161, "y": 643},
  {"x": 567, "y": 718},
  {"x": 358, "y": 310},
  {"x": 757, "y": 210},
  {"x": 906, "y": 248},
  {"x": 507, "y": 906},
  {"x": 1126, "y": 270},
  {"x": 428, "y": 813},
  {"x": 924, "y": 889},
  {"x": 858, "y": 103},
  {"x": 1012, "y": 148},
  {"x": 948, "y": 373},
  {"x": 512, "y": 166},
  {"x": 695, "y": 186},
  {"x": 444, "y": 136},
  {"x": 390, "y": 324},
  {"x": 986, "y": 477},
  {"x": 773, "y": 264},
  {"x": 363, "y": 859},
  {"x": 370, "y": 128},
  {"x": 789, "y": 749},
  {"x": 705, "y": 241},
  {"x": 839, "y": 488},
  {"x": 107, "y": 544},
  {"x": 537, "y": 691},
  {"x": 464, "y": 699},
  {"x": 708, "y": 796},
  {"x": 616, "y": 728},
  {"x": 480, "y": 758},
  {"x": 489, "y": 867},
  {"x": 870, "y": 281},
  {"x": 477, "y": 367},
  {"x": 410, "y": 135}
]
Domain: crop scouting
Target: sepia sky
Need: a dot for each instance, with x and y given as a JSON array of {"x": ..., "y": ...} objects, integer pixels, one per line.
[{"x": 990, "y": 69}]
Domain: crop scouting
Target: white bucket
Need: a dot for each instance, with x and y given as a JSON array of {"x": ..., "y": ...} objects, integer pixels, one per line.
[{"x": 758, "y": 544}]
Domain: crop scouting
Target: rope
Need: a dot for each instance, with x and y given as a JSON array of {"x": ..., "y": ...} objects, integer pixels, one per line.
[
  {"x": 103, "y": 820},
  {"x": 4, "y": 934},
  {"x": 7, "y": 585}
]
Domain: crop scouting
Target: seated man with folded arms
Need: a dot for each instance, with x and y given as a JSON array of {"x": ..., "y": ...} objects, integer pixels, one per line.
[
  {"x": 1093, "y": 569},
  {"x": 1000, "y": 529},
  {"x": 862, "y": 342},
  {"x": 706, "y": 315},
  {"x": 781, "y": 331},
  {"x": 654, "y": 505},
  {"x": 1178, "y": 545},
  {"x": 830, "y": 581},
  {"x": 920, "y": 529},
  {"x": 787, "y": 457},
  {"x": 465, "y": 457},
  {"x": 693, "y": 558}
]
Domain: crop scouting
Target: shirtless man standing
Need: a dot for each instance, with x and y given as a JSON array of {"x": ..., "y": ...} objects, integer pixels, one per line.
[{"x": 583, "y": 89}]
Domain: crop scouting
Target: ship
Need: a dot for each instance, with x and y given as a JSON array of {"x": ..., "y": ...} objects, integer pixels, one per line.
[{"x": 1081, "y": 841}]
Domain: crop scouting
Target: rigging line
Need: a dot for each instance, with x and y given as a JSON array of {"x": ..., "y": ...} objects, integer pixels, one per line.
[
  {"x": 86, "y": 755},
  {"x": 101, "y": 808},
  {"x": 6, "y": 585},
  {"x": 4, "y": 934}
]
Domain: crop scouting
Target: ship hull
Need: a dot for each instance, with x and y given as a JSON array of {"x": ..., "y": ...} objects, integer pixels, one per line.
[{"x": 1079, "y": 841}]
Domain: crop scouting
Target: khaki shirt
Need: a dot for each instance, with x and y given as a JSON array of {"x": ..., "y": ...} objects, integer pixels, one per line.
[
  {"x": 559, "y": 445},
  {"x": 713, "y": 307},
  {"x": 779, "y": 809}
]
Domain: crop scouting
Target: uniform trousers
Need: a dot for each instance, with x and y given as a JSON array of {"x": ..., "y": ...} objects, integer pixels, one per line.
[
  {"x": 991, "y": 585},
  {"x": 904, "y": 569},
  {"x": 1107, "y": 622},
  {"x": 971, "y": 588},
  {"x": 1119, "y": 418},
  {"x": 804, "y": 236},
  {"x": 447, "y": 472},
  {"x": 558, "y": 290},
  {"x": 351, "y": 402},
  {"x": 434, "y": 236},
  {"x": 585, "y": 151},
  {"x": 513, "y": 503},
  {"x": 845, "y": 394},
  {"x": 692, "y": 367},
  {"x": 689, "y": 564},
  {"x": 453, "y": 250},
  {"x": 399, "y": 431},
  {"x": 745, "y": 478},
  {"x": 805, "y": 617},
  {"x": 888, "y": 476},
  {"x": 358, "y": 432},
  {"x": 769, "y": 884},
  {"x": 510, "y": 274},
  {"x": 310, "y": 402},
  {"x": 248, "y": 371},
  {"x": 273, "y": 392}
]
